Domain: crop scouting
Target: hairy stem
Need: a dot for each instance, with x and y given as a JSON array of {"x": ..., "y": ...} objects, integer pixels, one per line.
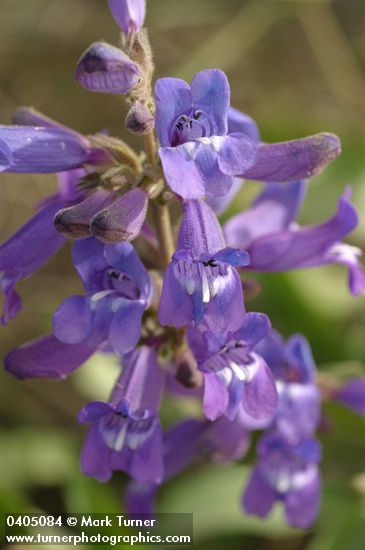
[{"x": 161, "y": 214}]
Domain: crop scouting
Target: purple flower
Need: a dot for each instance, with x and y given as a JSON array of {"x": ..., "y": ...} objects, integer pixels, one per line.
[
  {"x": 27, "y": 149},
  {"x": 275, "y": 243},
  {"x": 287, "y": 473},
  {"x": 118, "y": 290},
  {"x": 34, "y": 243},
  {"x": 105, "y": 68},
  {"x": 352, "y": 395},
  {"x": 125, "y": 433},
  {"x": 46, "y": 357},
  {"x": 234, "y": 375},
  {"x": 191, "y": 123},
  {"x": 201, "y": 282},
  {"x": 128, "y": 14},
  {"x": 299, "y": 409}
]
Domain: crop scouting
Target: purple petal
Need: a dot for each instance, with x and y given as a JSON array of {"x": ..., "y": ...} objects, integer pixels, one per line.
[
  {"x": 95, "y": 456},
  {"x": 105, "y": 68},
  {"x": 88, "y": 259},
  {"x": 299, "y": 411},
  {"x": 123, "y": 220},
  {"x": 72, "y": 320},
  {"x": 200, "y": 231},
  {"x": 46, "y": 357},
  {"x": 236, "y": 153},
  {"x": 347, "y": 255},
  {"x": 220, "y": 204},
  {"x": 233, "y": 256},
  {"x": 68, "y": 184},
  {"x": 124, "y": 257},
  {"x": 294, "y": 160},
  {"x": 226, "y": 441},
  {"x": 260, "y": 397},
  {"x": 352, "y": 395},
  {"x": 93, "y": 411},
  {"x": 256, "y": 326},
  {"x": 243, "y": 124},
  {"x": 300, "y": 356},
  {"x": 180, "y": 446},
  {"x": 129, "y": 14},
  {"x": 173, "y": 99},
  {"x": 215, "y": 396},
  {"x": 305, "y": 247},
  {"x": 147, "y": 464},
  {"x": 302, "y": 505},
  {"x": 43, "y": 150},
  {"x": 74, "y": 221},
  {"x": 25, "y": 252},
  {"x": 229, "y": 298},
  {"x": 211, "y": 94},
  {"x": 258, "y": 498},
  {"x": 125, "y": 328},
  {"x": 176, "y": 163},
  {"x": 274, "y": 209},
  {"x": 176, "y": 307}
]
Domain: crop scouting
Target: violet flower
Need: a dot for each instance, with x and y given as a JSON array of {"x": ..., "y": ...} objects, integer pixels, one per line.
[
  {"x": 287, "y": 473},
  {"x": 192, "y": 125},
  {"x": 299, "y": 406},
  {"x": 128, "y": 14},
  {"x": 352, "y": 395},
  {"x": 34, "y": 243},
  {"x": 275, "y": 243},
  {"x": 118, "y": 290},
  {"x": 201, "y": 283},
  {"x": 125, "y": 433},
  {"x": 234, "y": 375},
  {"x": 105, "y": 68}
]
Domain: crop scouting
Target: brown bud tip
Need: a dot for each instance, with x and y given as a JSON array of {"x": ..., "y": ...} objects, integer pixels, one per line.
[{"x": 139, "y": 119}]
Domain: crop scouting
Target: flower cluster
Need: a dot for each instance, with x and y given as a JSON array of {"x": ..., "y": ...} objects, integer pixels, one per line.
[{"x": 171, "y": 305}]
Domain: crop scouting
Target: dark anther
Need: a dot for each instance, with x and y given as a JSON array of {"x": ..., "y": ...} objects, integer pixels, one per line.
[
  {"x": 190, "y": 123},
  {"x": 180, "y": 126},
  {"x": 210, "y": 263},
  {"x": 197, "y": 115},
  {"x": 114, "y": 274},
  {"x": 123, "y": 415}
]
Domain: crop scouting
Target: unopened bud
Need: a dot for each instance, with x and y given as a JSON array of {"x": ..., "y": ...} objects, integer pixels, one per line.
[
  {"x": 105, "y": 68},
  {"x": 74, "y": 221},
  {"x": 122, "y": 220},
  {"x": 128, "y": 14},
  {"x": 139, "y": 119},
  {"x": 187, "y": 372}
]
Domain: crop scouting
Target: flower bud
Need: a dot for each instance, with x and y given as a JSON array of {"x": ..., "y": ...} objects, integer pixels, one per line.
[
  {"x": 74, "y": 221},
  {"x": 187, "y": 372},
  {"x": 104, "y": 68},
  {"x": 128, "y": 14},
  {"x": 139, "y": 119},
  {"x": 122, "y": 220}
]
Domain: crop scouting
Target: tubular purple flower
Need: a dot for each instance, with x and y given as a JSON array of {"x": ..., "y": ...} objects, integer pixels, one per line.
[
  {"x": 105, "y": 68},
  {"x": 192, "y": 126},
  {"x": 46, "y": 357},
  {"x": 26, "y": 149},
  {"x": 74, "y": 221},
  {"x": 118, "y": 290},
  {"x": 287, "y": 473},
  {"x": 201, "y": 283},
  {"x": 128, "y": 14},
  {"x": 122, "y": 220},
  {"x": 352, "y": 395},
  {"x": 33, "y": 244},
  {"x": 125, "y": 433},
  {"x": 275, "y": 244},
  {"x": 234, "y": 375}
]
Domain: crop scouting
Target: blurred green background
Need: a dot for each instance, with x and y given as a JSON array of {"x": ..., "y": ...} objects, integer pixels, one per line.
[{"x": 297, "y": 67}]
